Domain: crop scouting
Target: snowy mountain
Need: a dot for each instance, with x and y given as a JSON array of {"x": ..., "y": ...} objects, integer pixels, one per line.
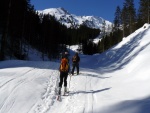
[
  {"x": 116, "y": 81},
  {"x": 71, "y": 20}
]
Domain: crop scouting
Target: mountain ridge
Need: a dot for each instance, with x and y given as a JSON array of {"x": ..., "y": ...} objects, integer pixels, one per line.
[{"x": 73, "y": 21}]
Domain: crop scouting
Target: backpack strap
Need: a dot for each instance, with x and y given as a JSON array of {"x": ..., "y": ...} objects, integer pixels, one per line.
[{"x": 74, "y": 59}]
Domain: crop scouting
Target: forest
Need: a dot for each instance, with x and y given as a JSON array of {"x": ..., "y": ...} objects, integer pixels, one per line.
[{"x": 21, "y": 27}]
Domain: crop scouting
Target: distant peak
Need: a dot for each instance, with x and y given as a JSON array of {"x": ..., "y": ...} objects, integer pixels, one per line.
[
  {"x": 64, "y": 10},
  {"x": 59, "y": 10}
]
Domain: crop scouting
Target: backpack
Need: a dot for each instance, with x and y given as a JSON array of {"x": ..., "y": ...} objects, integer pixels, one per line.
[
  {"x": 74, "y": 58},
  {"x": 64, "y": 66}
]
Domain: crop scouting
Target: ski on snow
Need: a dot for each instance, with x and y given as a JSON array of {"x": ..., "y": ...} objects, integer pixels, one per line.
[
  {"x": 59, "y": 96},
  {"x": 66, "y": 93}
]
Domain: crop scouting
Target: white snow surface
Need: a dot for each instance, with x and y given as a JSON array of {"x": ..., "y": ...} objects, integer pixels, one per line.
[{"x": 116, "y": 81}]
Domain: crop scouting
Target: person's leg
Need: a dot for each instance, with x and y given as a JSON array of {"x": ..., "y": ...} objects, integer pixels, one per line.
[
  {"x": 77, "y": 66},
  {"x": 73, "y": 67},
  {"x": 65, "y": 79},
  {"x": 61, "y": 79},
  {"x": 61, "y": 82},
  {"x": 65, "y": 82}
]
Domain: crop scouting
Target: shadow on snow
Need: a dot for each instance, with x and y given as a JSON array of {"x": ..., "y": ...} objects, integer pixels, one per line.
[
  {"x": 32, "y": 64},
  {"x": 119, "y": 58},
  {"x": 129, "y": 106},
  {"x": 90, "y": 91}
]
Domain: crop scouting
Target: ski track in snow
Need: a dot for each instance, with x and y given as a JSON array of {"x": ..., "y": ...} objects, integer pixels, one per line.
[
  {"x": 80, "y": 99},
  {"x": 5, "y": 82},
  {"x": 48, "y": 98}
]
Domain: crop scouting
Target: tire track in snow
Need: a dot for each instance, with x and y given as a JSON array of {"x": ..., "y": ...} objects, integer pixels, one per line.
[
  {"x": 20, "y": 81},
  {"x": 84, "y": 97},
  {"x": 16, "y": 78},
  {"x": 89, "y": 96}
]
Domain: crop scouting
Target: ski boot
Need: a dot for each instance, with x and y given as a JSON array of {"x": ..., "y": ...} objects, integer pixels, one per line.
[
  {"x": 59, "y": 94},
  {"x": 65, "y": 91},
  {"x": 59, "y": 91}
]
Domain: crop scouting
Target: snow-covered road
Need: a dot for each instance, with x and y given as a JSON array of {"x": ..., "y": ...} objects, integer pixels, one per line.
[
  {"x": 26, "y": 87},
  {"x": 116, "y": 81},
  {"x": 32, "y": 87},
  {"x": 83, "y": 95}
]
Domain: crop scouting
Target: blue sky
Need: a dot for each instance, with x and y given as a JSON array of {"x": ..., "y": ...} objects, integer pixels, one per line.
[{"x": 102, "y": 8}]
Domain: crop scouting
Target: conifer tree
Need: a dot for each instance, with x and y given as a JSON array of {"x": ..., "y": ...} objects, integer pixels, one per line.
[
  {"x": 117, "y": 20},
  {"x": 4, "y": 25},
  {"x": 129, "y": 16},
  {"x": 144, "y": 12}
]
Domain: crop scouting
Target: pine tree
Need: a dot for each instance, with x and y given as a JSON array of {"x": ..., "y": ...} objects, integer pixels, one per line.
[
  {"x": 144, "y": 12},
  {"x": 129, "y": 16},
  {"x": 117, "y": 20},
  {"x": 4, "y": 21},
  {"x": 124, "y": 20}
]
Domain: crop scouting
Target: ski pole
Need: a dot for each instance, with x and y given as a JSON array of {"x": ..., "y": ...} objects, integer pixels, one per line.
[{"x": 70, "y": 80}]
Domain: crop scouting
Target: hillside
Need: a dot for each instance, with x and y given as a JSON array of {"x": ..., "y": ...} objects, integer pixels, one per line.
[{"x": 116, "y": 81}]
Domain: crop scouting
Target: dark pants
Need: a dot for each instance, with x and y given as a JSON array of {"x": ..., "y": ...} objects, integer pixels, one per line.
[
  {"x": 63, "y": 78},
  {"x": 77, "y": 67}
]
